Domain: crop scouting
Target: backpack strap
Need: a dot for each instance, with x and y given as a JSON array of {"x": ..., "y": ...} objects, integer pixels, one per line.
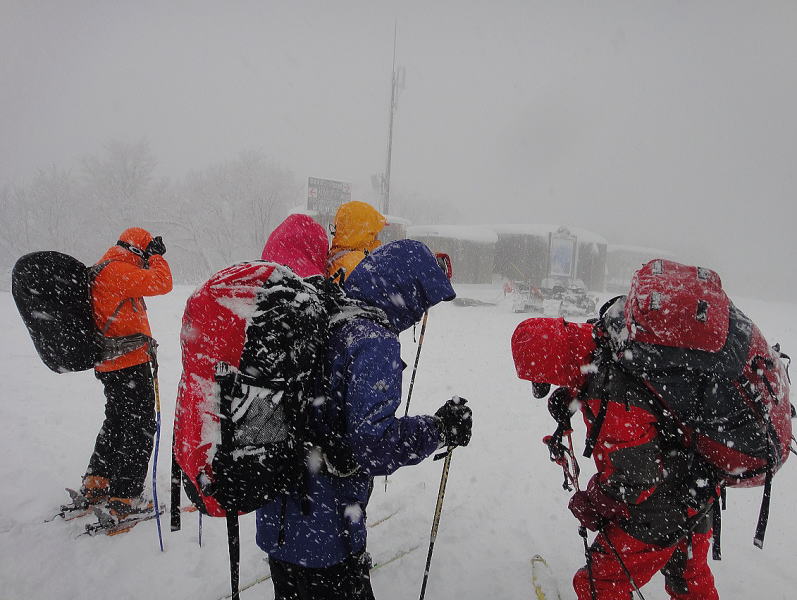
[
  {"x": 785, "y": 357},
  {"x": 716, "y": 541},
  {"x": 763, "y": 513},
  {"x": 113, "y": 347},
  {"x": 338, "y": 255},
  {"x": 595, "y": 430},
  {"x": 177, "y": 481},
  {"x": 95, "y": 270}
]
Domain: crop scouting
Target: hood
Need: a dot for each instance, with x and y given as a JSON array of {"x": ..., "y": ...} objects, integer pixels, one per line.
[
  {"x": 356, "y": 226},
  {"x": 135, "y": 236},
  {"x": 300, "y": 244},
  {"x": 401, "y": 278},
  {"x": 552, "y": 351}
]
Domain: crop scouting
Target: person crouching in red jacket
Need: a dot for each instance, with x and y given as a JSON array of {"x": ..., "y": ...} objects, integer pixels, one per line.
[{"x": 645, "y": 500}]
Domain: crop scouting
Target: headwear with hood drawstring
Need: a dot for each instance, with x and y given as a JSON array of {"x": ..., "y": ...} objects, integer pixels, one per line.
[
  {"x": 547, "y": 350},
  {"x": 300, "y": 244},
  {"x": 357, "y": 226},
  {"x": 401, "y": 278}
]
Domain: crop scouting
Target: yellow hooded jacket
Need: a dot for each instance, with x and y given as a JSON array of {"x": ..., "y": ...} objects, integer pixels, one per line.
[{"x": 356, "y": 226}]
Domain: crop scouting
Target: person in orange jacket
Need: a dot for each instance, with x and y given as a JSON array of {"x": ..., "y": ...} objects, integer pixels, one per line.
[
  {"x": 355, "y": 229},
  {"x": 131, "y": 269}
]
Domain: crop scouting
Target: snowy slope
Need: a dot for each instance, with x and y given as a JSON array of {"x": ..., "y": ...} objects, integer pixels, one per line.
[{"x": 504, "y": 501}]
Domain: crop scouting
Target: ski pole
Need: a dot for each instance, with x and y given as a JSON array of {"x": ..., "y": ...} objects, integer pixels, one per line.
[
  {"x": 417, "y": 357},
  {"x": 436, "y": 521},
  {"x": 444, "y": 262},
  {"x": 622, "y": 564},
  {"x": 582, "y": 531},
  {"x": 153, "y": 350},
  {"x": 414, "y": 370}
]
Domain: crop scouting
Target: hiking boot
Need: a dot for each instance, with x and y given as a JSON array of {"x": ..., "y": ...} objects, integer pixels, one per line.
[
  {"x": 122, "y": 508},
  {"x": 95, "y": 489}
]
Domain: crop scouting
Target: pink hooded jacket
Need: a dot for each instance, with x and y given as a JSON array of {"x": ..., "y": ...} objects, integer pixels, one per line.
[{"x": 300, "y": 244}]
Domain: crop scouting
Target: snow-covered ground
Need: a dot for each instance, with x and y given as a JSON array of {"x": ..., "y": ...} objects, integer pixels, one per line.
[{"x": 504, "y": 501}]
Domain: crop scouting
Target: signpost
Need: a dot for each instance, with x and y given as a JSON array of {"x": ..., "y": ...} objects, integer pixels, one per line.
[{"x": 326, "y": 195}]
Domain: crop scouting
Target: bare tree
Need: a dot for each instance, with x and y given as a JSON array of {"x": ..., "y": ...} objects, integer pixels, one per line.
[
  {"x": 233, "y": 207},
  {"x": 118, "y": 182}
]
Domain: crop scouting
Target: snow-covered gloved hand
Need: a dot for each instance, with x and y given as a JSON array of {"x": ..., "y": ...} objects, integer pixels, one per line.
[
  {"x": 561, "y": 408},
  {"x": 594, "y": 508},
  {"x": 156, "y": 246},
  {"x": 455, "y": 422}
]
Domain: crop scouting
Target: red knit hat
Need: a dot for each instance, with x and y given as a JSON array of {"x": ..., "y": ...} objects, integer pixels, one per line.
[{"x": 552, "y": 351}]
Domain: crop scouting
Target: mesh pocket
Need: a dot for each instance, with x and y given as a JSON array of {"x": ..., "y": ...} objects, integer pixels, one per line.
[{"x": 259, "y": 417}]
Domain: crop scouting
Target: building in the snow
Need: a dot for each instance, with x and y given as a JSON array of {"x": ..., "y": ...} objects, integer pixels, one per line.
[
  {"x": 622, "y": 261},
  {"x": 531, "y": 253},
  {"x": 472, "y": 249}
]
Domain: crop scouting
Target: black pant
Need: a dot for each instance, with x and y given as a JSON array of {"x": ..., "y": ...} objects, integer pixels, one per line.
[
  {"x": 124, "y": 444},
  {"x": 349, "y": 580}
]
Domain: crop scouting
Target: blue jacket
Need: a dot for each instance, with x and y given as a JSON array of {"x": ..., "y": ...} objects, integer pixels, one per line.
[{"x": 402, "y": 279}]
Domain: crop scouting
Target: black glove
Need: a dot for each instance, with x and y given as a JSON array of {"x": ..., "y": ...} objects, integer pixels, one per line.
[
  {"x": 561, "y": 407},
  {"x": 156, "y": 246},
  {"x": 455, "y": 422}
]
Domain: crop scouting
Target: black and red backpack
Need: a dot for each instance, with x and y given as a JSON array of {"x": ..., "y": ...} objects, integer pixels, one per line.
[
  {"x": 254, "y": 341},
  {"x": 708, "y": 369}
]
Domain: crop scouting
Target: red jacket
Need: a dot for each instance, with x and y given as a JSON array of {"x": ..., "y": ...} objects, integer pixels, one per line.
[
  {"x": 117, "y": 294},
  {"x": 637, "y": 466},
  {"x": 641, "y": 462}
]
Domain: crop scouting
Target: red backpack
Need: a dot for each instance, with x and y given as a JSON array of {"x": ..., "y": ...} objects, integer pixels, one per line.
[
  {"x": 253, "y": 339},
  {"x": 708, "y": 369},
  {"x": 254, "y": 343}
]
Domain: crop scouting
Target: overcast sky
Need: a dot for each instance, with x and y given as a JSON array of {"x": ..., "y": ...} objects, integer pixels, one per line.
[{"x": 664, "y": 123}]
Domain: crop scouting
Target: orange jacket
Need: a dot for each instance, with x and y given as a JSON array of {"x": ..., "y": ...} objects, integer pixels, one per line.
[
  {"x": 356, "y": 226},
  {"x": 117, "y": 294}
]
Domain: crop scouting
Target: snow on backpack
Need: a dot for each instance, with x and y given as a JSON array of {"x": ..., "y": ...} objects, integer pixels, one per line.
[
  {"x": 254, "y": 340},
  {"x": 52, "y": 293},
  {"x": 708, "y": 369}
]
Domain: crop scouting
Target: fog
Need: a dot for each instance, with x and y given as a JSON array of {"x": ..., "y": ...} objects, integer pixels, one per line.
[{"x": 662, "y": 123}]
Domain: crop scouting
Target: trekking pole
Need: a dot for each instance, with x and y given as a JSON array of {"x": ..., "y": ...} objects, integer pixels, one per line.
[
  {"x": 444, "y": 262},
  {"x": 436, "y": 521},
  {"x": 414, "y": 370},
  {"x": 153, "y": 350},
  {"x": 582, "y": 531},
  {"x": 417, "y": 357},
  {"x": 622, "y": 564}
]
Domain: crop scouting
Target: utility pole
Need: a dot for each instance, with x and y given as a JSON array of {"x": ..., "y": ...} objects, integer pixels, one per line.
[{"x": 397, "y": 84}]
